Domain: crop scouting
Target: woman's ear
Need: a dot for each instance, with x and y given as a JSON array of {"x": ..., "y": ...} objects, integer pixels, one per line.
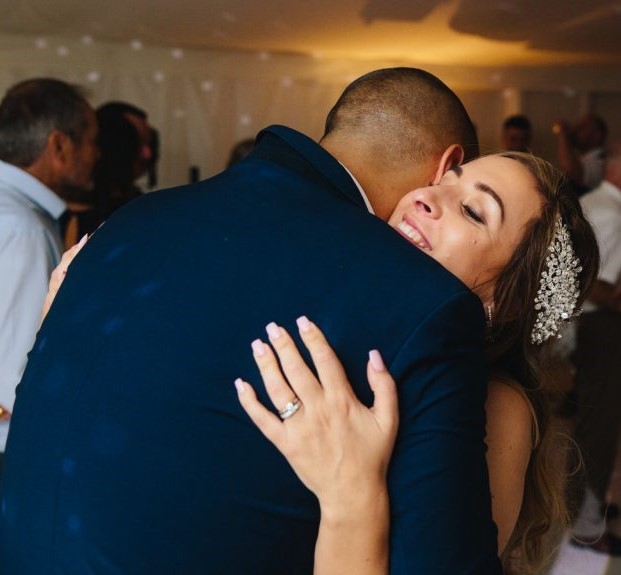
[{"x": 452, "y": 156}]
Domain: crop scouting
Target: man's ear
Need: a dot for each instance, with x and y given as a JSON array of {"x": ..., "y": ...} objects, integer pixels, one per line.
[
  {"x": 452, "y": 156},
  {"x": 58, "y": 147}
]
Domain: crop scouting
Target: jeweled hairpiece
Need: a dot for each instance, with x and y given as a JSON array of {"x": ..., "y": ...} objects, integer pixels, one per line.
[{"x": 559, "y": 288}]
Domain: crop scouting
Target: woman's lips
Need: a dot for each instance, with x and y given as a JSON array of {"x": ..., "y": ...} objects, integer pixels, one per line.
[{"x": 413, "y": 235}]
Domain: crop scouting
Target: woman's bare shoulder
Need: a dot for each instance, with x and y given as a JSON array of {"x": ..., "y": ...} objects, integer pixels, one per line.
[{"x": 510, "y": 414}]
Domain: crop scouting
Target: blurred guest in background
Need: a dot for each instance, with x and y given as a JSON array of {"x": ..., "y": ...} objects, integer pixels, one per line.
[
  {"x": 240, "y": 150},
  {"x": 598, "y": 360},
  {"x": 145, "y": 132},
  {"x": 580, "y": 151},
  {"x": 47, "y": 146},
  {"x": 154, "y": 143},
  {"x": 517, "y": 133},
  {"x": 126, "y": 143}
]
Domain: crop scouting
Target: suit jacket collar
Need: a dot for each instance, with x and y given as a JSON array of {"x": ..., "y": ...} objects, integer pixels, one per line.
[{"x": 295, "y": 151}]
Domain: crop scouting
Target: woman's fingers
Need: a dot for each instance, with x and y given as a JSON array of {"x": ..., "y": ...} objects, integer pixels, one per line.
[
  {"x": 386, "y": 404},
  {"x": 278, "y": 389},
  {"x": 298, "y": 374},
  {"x": 292, "y": 378},
  {"x": 329, "y": 368},
  {"x": 58, "y": 275},
  {"x": 265, "y": 420},
  {"x": 70, "y": 254}
]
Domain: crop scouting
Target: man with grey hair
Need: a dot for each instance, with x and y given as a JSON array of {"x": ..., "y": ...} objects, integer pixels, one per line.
[{"x": 47, "y": 144}]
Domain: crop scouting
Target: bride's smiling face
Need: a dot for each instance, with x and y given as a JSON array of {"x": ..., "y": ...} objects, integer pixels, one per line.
[{"x": 473, "y": 219}]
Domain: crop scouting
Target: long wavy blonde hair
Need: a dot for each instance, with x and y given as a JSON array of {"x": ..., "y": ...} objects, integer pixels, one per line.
[{"x": 511, "y": 354}]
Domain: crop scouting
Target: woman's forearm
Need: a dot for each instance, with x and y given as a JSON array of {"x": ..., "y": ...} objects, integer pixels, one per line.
[{"x": 353, "y": 536}]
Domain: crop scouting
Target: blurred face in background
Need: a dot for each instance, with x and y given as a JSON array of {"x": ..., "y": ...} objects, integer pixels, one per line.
[
  {"x": 82, "y": 155},
  {"x": 587, "y": 134},
  {"x": 516, "y": 139},
  {"x": 145, "y": 153}
]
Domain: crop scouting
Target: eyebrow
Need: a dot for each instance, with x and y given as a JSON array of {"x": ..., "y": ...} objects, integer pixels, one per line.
[
  {"x": 485, "y": 188},
  {"x": 480, "y": 186}
]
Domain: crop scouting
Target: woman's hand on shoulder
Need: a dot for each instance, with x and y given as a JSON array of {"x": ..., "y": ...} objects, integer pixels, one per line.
[
  {"x": 58, "y": 275},
  {"x": 338, "y": 447}
]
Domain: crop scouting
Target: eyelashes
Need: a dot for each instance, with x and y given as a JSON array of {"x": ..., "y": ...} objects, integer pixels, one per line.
[{"x": 472, "y": 214}]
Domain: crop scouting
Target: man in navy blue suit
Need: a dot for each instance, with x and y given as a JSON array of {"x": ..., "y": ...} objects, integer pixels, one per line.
[{"x": 129, "y": 452}]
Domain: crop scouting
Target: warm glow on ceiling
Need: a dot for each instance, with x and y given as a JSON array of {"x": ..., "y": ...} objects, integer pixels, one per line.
[{"x": 458, "y": 32}]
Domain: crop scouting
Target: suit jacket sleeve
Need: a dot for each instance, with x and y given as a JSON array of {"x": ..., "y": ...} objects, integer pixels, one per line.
[{"x": 440, "y": 501}]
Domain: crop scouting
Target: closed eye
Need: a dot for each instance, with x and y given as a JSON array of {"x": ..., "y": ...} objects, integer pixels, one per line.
[{"x": 472, "y": 214}]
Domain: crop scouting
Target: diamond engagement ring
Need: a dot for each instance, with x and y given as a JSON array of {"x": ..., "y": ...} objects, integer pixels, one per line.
[{"x": 290, "y": 408}]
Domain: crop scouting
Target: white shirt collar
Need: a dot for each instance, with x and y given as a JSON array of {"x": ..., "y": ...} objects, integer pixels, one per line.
[
  {"x": 367, "y": 203},
  {"x": 33, "y": 189}
]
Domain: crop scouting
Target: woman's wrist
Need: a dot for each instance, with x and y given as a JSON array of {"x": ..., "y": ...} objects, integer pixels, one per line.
[
  {"x": 353, "y": 535},
  {"x": 355, "y": 505}
]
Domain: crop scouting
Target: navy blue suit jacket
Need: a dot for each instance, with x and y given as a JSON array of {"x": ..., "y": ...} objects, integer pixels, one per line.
[{"x": 128, "y": 451}]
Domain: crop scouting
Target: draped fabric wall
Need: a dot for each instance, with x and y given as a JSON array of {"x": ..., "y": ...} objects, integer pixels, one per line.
[{"x": 203, "y": 101}]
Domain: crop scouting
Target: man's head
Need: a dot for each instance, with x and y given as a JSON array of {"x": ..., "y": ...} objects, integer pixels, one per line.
[
  {"x": 516, "y": 133},
  {"x": 138, "y": 119},
  {"x": 589, "y": 133},
  {"x": 48, "y": 129},
  {"x": 397, "y": 129}
]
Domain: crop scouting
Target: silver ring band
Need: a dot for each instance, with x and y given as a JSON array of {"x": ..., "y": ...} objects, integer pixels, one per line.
[{"x": 290, "y": 409}]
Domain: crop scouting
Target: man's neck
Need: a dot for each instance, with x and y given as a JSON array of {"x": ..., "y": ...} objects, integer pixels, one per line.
[
  {"x": 367, "y": 203},
  {"x": 381, "y": 186},
  {"x": 42, "y": 173}
]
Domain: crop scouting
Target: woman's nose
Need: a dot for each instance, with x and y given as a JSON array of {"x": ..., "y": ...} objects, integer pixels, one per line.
[{"x": 428, "y": 206}]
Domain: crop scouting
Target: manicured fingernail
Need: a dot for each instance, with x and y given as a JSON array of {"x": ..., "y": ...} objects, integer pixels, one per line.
[
  {"x": 239, "y": 386},
  {"x": 257, "y": 347},
  {"x": 303, "y": 324},
  {"x": 83, "y": 240},
  {"x": 272, "y": 330},
  {"x": 377, "y": 363}
]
